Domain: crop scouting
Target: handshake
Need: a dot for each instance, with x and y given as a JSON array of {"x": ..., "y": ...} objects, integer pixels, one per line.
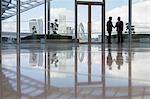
[{"x": 119, "y": 29}]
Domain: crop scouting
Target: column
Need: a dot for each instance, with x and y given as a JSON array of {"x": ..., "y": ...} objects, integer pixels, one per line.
[
  {"x": 103, "y": 22},
  {"x": 76, "y": 22},
  {"x": 1, "y": 21},
  {"x": 45, "y": 18},
  {"x": 18, "y": 22},
  {"x": 130, "y": 20},
  {"x": 89, "y": 24},
  {"x": 48, "y": 17}
]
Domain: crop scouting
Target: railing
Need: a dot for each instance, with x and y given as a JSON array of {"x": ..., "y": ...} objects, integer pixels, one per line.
[{"x": 67, "y": 28}]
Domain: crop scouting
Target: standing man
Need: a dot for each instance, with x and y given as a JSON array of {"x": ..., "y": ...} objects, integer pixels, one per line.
[
  {"x": 119, "y": 26},
  {"x": 109, "y": 29}
]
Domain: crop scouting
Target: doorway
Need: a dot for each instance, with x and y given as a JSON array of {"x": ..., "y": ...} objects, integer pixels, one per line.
[{"x": 92, "y": 29}]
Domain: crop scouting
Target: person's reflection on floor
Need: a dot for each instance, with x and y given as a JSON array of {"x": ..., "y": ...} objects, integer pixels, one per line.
[
  {"x": 119, "y": 57},
  {"x": 33, "y": 58},
  {"x": 54, "y": 59},
  {"x": 109, "y": 57}
]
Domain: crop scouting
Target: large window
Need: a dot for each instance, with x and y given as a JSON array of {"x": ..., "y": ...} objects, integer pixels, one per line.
[
  {"x": 63, "y": 11},
  {"x": 33, "y": 20},
  {"x": 9, "y": 31},
  {"x": 141, "y": 21},
  {"x": 117, "y": 8}
]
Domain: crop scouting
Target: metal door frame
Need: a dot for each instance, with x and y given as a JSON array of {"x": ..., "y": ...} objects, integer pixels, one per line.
[{"x": 90, "y": 3}]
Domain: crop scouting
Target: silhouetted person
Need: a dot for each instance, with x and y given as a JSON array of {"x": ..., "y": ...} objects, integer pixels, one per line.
[
  {"x": 54, "y": 26},
  {"x": 119, "y": 26},
  {"x": 119, "y": 57},
  {"x": 109, "y": 28},
  {"x": 109, "y": 57}
]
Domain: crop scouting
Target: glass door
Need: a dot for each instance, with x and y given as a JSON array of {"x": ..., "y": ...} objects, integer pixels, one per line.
[
  {"x": 88, "y": 24},
  {"x": 82, "y": 28},
  {"x": 96, "y": 30}
]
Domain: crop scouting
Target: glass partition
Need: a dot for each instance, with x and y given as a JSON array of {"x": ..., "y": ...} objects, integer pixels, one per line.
[
  {"x": 96, "y": 35},
  {"x": 8, "y": 24},
  {"x": 9, "y": 31},
  {"x": 63, "y": 12},
  {"x": 89, "y": 22},
  {"x": 115, "y": 9},
  {"x": 83, "y": 23},
  {"x": 32, "y": 23},
  {"x": 141, "y": 21}
]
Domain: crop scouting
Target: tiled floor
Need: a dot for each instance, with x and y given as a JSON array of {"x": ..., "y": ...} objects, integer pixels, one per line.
[{"x": 66, "y": 71}]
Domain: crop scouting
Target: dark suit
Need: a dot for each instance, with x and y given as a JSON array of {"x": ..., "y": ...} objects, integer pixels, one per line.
[
  {"x": 109, "y": 29},
  {"x": 119, "y": 26}
]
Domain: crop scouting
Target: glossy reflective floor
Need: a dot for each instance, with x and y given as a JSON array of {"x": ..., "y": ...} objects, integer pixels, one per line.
[{"x": 66, "y": 71}]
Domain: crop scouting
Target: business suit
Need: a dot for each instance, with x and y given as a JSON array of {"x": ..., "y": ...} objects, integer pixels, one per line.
[
  {"x": 109, "y": 29},
  {"x": 119, "y": 29}
]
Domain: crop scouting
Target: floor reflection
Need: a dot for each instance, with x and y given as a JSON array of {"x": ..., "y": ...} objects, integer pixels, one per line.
[
  {"x": 76, "y": 72},
  {"x": 118, "y": 59}
]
